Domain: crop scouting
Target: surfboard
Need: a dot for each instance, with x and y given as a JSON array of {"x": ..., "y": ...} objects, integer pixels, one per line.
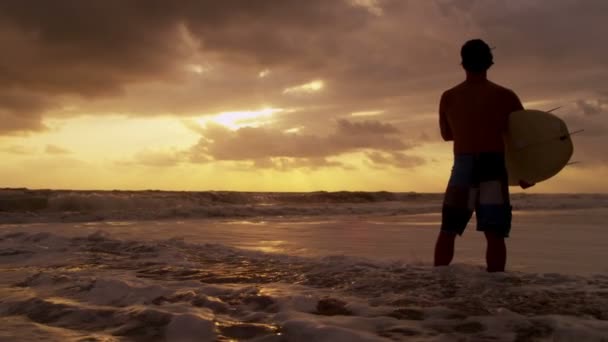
[{"x": 537, "y": 146}]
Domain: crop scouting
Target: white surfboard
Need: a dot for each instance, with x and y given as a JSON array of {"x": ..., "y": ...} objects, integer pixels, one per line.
[{"x": 537, "y": 146}]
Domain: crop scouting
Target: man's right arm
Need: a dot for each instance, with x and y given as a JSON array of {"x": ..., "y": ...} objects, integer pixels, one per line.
[{"x": 444, "y": 125}]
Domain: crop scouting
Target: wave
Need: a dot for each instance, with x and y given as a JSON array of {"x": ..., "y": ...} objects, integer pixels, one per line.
[{"x": 24, "y": 205}]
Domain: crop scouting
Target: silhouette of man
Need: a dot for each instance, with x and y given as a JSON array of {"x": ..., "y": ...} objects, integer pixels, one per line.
[{"x": 474, "y": 115}]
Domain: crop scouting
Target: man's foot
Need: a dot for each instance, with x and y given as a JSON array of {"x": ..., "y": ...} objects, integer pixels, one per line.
[
  {"x": 444, "y": 248},
  {"x": 496, "y": 253}
]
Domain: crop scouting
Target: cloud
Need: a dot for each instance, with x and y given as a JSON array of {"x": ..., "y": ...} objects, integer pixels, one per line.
[
  {"x": 99, "y": 49},
  {"x": 396, "y": 159},
  {"x": 593, "y": 107},
  {"x": 54, "y": 149},
  {"x": 306, "y": 88},
  {"x": 373, "y": 6},
  {"x": 17, "y": 150},
  {"x": 259, "y": 143},
  {"x": 159, "y": 158},
  {"x": 288, "y": 164},
  {"x": 589, "y": 151},
  {"x": 22, "y": 111},
  {"x": 591, "y": 126},
  {"x": 589, "y": 115},
  {"x": 194, "y": 58},
  {"x": 365, "y": 127}
]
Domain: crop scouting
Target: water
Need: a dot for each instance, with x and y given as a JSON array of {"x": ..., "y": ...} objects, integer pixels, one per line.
[{"x": 323, "y": 276}]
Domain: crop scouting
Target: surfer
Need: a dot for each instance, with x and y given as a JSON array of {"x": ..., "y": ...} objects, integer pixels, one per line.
[{"x": 474, "y": 115}]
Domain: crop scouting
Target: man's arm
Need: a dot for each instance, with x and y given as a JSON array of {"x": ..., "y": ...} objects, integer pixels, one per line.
[
  {"x": 511, "y": 104},
  {"x": 516, "y": 102},
  {"x": 444, "y": 125}
]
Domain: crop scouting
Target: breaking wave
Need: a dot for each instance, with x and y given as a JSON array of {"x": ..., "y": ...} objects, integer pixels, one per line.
[{"x": 23, "y": 205}]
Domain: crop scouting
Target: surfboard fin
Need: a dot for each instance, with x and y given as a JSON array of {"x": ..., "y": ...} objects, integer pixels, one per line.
[
  {"x": 564, "y": 137},
  {"x": 576, "y": 132},
  {"x": 561, "y": 137},
  {"x": 554, "y": 109}
]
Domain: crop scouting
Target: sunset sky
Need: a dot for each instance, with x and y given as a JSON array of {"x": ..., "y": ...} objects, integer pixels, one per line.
[{"x": 280, "y": 95}]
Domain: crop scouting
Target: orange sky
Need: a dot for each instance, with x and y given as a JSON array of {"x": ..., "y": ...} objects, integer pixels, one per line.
[{"x": 279, "y": 95}]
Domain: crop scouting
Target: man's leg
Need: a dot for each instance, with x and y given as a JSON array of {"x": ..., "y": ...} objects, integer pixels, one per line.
[
  {"x": 494, "y": 209},
  {"x": 458, "y": 205},
  {"x": 444, "y": 248},
  {"x": 496, "y": 252}
]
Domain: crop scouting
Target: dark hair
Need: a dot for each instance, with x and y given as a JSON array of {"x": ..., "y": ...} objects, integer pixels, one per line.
[{"x": 476, "y": 56}]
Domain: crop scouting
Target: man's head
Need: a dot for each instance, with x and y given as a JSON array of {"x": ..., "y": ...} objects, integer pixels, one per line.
[{"x": 476, "y": 56}]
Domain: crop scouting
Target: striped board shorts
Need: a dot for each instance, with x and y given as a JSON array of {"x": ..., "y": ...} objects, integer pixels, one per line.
[{"x": 479, "y": 184}]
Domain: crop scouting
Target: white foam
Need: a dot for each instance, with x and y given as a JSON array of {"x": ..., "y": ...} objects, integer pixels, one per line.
[
  {"x": 190, "y": 327},
  {"x": 99, "y": 285}
]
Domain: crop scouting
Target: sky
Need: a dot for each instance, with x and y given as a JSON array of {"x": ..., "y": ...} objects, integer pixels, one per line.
[{"x": 280, "y": 95}]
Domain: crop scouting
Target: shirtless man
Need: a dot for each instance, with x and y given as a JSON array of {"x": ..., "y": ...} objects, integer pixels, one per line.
[{"x": 474, "y": 116}]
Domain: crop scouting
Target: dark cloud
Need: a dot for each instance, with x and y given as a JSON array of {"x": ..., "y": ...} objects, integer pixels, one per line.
[
  {"x": 288, "y": 164},
  {"x": 365, "y": 127},
  {"x": 260, "y": 143},
  {"x": 396, "y": 159},
  {"x": 544, "y": 48},
  {"x": 590, "y": 116},
  {"x": 14, "y": 123},
  {"x": 590, "y": 150},
  {"x": 593, "y": 107},
  {"x": 22, "y": 111},
  {"x": 132, "y": 56},
  {"x": 99, "y": 48},
  {"x": 89, "y": 48},
  {"x": 269, "y": 147}
]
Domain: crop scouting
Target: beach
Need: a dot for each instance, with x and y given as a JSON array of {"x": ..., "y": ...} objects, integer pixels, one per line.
[
  {"x": 280, "y": 171},
  {"x": 313, "y": 272}
]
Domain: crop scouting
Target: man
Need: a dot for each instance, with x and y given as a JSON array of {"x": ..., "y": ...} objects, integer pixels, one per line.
[{"x": 474, "y": 114}]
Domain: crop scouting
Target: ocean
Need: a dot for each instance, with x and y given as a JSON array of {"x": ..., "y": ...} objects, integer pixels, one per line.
[{"x": 320, "y": 266}]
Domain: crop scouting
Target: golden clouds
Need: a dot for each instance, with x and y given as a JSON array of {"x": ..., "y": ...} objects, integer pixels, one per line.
[
  {"x": 54, "y": 149},
  {"x": 236, "y": 120},
  {"x": 268, "y": 84},
  {"x": 266, "y": 146},
  {"x": 306, "y": 88}
]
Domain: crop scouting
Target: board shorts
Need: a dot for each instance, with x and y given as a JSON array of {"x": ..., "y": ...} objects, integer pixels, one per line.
[{"x": 479, "y": 184}]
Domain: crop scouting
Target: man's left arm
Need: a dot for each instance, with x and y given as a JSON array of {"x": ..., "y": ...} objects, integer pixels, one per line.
[
  {"x": 511, "y": 104},
  {"x": 515, "y": 102}
]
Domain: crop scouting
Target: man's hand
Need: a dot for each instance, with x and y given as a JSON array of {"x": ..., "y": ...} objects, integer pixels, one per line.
[{"x": 525, "y": 185}]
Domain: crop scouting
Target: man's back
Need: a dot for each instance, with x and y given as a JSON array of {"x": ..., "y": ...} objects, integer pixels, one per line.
[{"x": 474, "y": 114}]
